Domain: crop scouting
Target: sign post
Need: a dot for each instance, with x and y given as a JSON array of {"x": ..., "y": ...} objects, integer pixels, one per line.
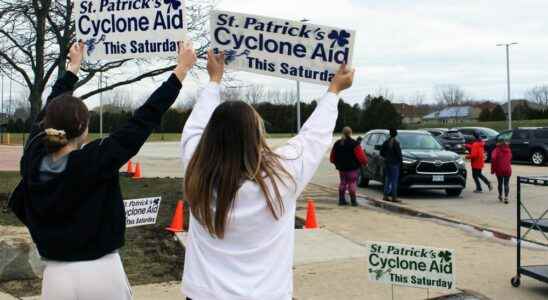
[
  {"x": 281, "y": 48},
  {"x": 413, "y": 266},
  {"x": 115, "y": 30},
  {"x": 140, "y": 212}
]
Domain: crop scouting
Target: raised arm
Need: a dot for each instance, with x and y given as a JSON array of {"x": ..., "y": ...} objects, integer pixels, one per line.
[
  {"x": 64, "y": 84},
  {"x": 209, "y": 99},
  {"x": 126, "y": 142},
  {"x": 303, "y": 154}
]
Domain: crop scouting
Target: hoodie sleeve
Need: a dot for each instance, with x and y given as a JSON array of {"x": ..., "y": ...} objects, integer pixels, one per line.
[
  {"x": 208, "y": 101},
  {"x": 124, "y": 143},
  {"x": 303, "y": 154}
]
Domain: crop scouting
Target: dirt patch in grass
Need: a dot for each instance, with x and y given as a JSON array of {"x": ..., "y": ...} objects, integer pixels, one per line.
[{"x": 150, "y": 254}]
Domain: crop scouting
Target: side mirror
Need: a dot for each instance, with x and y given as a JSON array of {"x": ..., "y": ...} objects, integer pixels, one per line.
[{"x": 378, "y": 147}]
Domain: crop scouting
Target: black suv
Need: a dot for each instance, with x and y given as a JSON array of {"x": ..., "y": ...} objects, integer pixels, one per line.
[
  {"x": 527, "y": 144},
  {"x": 426, "y": 165},
  {"x": 450, "y": 139}
]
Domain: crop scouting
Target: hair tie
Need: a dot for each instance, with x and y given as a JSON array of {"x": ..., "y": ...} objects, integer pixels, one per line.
[{"x": 55, "y": 132}]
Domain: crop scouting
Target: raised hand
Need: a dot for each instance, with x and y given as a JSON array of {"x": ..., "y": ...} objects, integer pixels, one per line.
[
  {"x": 75, "y": 57},
  {"x": 186, "y": 60},
  {"x": 215, "y": 65},
  {"x": 342, "y": 80}
]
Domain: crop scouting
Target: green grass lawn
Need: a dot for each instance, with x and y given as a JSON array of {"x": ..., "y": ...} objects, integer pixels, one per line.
[
  {"x": 150, "y": 254},
  {"x": 19, "y": 138}
]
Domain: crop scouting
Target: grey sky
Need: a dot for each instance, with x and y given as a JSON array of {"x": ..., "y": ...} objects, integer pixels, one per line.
[{"x": 408, "y": 47}]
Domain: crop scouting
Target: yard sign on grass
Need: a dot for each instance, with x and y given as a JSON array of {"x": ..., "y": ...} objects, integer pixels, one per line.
[
  {"x": 412, "y": 266},
  {"x": 281, "y": 48},
  {"x": 121, "y": 29},
  {"x": 141, "y": 212}
]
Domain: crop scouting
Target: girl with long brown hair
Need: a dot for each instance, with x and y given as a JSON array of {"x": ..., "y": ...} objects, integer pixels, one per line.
[
  {"x": 243, "y": 194},
  {"x": 69, "y": 196}
]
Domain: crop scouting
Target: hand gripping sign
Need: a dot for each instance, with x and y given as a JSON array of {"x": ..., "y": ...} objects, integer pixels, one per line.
[
  {"x": 281, "y": 48},
  {"x": 121, "y": 29}
]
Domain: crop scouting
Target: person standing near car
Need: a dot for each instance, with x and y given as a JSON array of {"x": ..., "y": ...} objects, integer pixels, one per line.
[
  {"x": 348, "y": 156},
  {"x": 477, "y": 161},
  {"x": 501, "y": 166},
  {"x": 391, "y": 152}
]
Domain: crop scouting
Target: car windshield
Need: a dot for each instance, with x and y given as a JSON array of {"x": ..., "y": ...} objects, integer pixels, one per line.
[
  {"x": 418, "y": 141},
  {"x": 490, "y": 132}
]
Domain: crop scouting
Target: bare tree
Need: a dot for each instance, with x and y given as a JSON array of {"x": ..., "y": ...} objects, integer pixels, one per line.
[
  {"x": 386, "y": 93},
  {"x": 254, "y": 94},
  {"x": 119, "y": 100},
  {"x": 449, "y": 95},
  {"x": 418, "y": 99},
  {"x": 232, "y": 94},
  {"x": 538, "y": 94},
  {"x": 35, "y": 36}
]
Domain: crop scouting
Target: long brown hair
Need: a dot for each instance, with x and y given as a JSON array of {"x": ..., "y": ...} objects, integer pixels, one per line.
[{"x": 232, "y": 149}]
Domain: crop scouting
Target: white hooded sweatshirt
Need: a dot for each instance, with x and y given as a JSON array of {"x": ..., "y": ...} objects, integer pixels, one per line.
[{"x": 254, "y": 260}]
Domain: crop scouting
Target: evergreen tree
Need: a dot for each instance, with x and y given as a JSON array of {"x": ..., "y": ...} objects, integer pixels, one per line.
[{"x": 498, "y": 114}]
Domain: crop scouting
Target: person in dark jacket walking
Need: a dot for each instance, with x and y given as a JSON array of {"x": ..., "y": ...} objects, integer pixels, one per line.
[
  {"x": 348, "y": 156},
  {"x": 477, "y": 161},
  {"x": 69, "y": 196},
  {"x": 391, "y": 152},
  {"x": 501, "y": 166}
]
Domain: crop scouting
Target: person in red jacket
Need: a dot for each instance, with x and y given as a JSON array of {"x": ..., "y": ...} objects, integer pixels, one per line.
[
  {"x": 501, "y": 166},
  {"x": 348, "y": 156},
  {"x": 477, "y": 159}
]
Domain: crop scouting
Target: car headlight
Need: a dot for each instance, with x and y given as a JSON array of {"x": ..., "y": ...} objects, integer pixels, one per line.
[
  {"x": 408, "y": 161},
  {"x": 460, "y": 161}
]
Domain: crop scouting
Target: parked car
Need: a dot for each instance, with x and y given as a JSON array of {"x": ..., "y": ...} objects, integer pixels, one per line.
[
  {"x": 468, "y": 132},
  {"x": 450, "y": 139},
  {"x": 426, "y": 165},
  {"x": 527, "y": 144}
]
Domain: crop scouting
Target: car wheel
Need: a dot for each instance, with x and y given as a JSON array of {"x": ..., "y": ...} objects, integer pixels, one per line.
[
  {"x": 537, "y": 157},
  {"x": 363, "y": 181},
  {"x": 453, "y": 192}
]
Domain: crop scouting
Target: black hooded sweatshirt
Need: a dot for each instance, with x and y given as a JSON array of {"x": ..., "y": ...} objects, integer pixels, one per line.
[{"x": 79, "y": 214}]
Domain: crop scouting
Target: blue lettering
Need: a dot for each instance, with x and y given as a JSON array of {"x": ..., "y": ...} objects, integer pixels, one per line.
[
  {"x": 222, "y": 19},
  {"x": 216, "y": 34},
  {"x": 81, "y": 26}
]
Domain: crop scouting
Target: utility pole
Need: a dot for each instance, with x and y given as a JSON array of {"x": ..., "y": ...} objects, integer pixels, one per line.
[
  {"x": 100, "y": 105},
  {"x": 507, "y": 45},
  {"x": 299, "y": 97}
]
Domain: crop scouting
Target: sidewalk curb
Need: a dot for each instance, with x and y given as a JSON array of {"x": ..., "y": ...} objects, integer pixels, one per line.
[{"x": 418, "y": 213}]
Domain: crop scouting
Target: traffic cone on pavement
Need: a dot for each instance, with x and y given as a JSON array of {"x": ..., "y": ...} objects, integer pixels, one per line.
[
  {"x": 311, "y": 222},
  {"x": 178, "y": 220},
  {"x": 137, "y": 174},
  {"x": 130, "y": 170}
]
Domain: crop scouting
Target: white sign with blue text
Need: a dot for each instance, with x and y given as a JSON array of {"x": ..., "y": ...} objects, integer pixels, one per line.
[
  {"x": 414, "y": 266},
  {"x": 140, "y": 212},
  {"x": 122, "y": 29},
  {"x": 281, "y": 48}
]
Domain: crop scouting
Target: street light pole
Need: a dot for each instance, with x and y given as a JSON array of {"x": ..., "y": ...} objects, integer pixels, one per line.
[
  {"x": 100, "y": 105},
  {"x": 299, "y": 97},
  {"x": 507, "y": 45}
]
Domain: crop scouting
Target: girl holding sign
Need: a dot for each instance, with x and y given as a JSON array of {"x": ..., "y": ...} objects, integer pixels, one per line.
[
  {"x": 69, "y": 196},
  {"x": 243, "y": 194}
]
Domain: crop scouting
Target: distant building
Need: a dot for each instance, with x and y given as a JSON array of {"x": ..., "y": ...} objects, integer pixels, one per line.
[
  {"x": 453, "y": 115},
  {"x": 410, "y": 114}
]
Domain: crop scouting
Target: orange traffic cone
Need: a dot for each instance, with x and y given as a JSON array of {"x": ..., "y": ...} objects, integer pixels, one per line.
[
  {"x": 178, "y": 220},
  {"x": 137, "y": 174},
  {"x": 311, "y": 222},
  {"x": 130, "y": 170}
]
